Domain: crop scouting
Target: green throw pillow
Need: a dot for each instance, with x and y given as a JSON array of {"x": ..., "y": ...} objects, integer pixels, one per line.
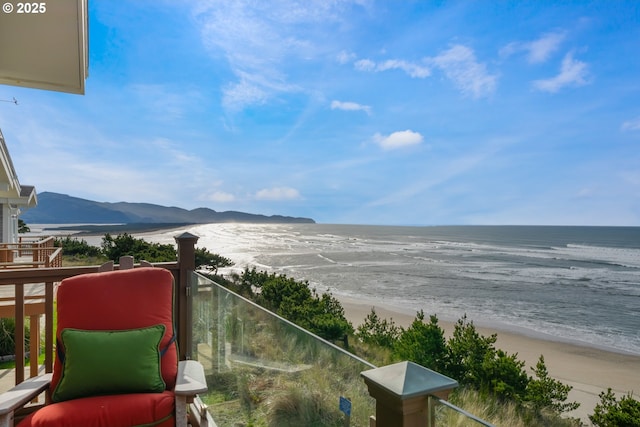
[{"x": 110, "y": 362}]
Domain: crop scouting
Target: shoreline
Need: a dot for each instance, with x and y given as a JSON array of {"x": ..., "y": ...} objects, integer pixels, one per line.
[
  {"x": 589, "y": 370},
  {"x": 101, "y": 229}
]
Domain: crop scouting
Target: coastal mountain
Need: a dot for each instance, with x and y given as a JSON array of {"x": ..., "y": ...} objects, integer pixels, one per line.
[{"x": 55, "y": 208}]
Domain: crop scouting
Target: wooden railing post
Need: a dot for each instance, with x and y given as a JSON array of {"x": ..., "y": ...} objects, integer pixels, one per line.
[
  {"x": 34, "y": 344},
  {"x": 402, "y": 392},
  {"x": 35, "y": 253},
  {"x": 186, "y": 264},
  {"x": 48, "y": 326},
  {"x": 19, "y": 332}
]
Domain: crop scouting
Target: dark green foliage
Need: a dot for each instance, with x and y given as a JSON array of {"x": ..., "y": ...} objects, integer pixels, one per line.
[
  {"x": 210, "y": 261},
  {"x": 295, "y": 301},
  {"x": 503, "y": 376},
  {"x": 545, "y": 392},
  {"x": 124, "y": 244},
  {"x": 611, "y": 412},
  {"x": 474, "y": 360},
  {"x": 327, "y": 318},
  {"x": 250, "y": 279},
  {"x": 284, "y": 295},
  {"x": 423, "y": 343},
  {"x": 467, "y": 352},
  {"x": 8, "y": 337},
  {"x": 23, "y": 227},
  {"x": 74, "y": 247},
  {"x": 376, "y": 331}
]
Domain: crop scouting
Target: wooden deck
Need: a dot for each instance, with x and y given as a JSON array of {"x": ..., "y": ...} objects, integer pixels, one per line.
[{"x": 30, "y": 253}]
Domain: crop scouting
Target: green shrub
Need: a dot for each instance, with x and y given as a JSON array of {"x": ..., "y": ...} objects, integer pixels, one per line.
[
  {"x": 376, "y": 331},
  {"x": 423, "y": 343},
  {"x": 74, "y": 247},
  {"x": 545, "y": 392},
  {"x": 294, "y": 300},
  {"x": 125, "y": 244},
  {"x": 210, "y": 261},
  {"x": 474, "y": 360},
  {"x": 611, "y": 412}
]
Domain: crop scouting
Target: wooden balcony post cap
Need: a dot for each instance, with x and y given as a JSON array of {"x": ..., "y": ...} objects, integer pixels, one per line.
[
  {"x": 186, "y": 236},
  {"x": 407, "y": 380}
]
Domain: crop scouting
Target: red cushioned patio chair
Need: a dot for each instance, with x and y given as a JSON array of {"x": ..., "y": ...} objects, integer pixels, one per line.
[{"x": 116, "y": 358}]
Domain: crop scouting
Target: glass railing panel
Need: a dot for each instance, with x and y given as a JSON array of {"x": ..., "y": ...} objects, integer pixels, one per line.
[
  {"x": 449, "y": 415},
  {"x": 265, "y": 371}
]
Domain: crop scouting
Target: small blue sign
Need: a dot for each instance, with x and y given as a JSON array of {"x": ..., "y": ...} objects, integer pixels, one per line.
[{"x": 345, "y": 406}]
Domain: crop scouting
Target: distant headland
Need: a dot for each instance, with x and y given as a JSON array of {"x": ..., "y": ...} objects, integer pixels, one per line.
[{"x": 56, "y": 208}]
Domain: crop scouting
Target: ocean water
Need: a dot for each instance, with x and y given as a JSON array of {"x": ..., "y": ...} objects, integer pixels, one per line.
[{"x": 574, "y": 284}]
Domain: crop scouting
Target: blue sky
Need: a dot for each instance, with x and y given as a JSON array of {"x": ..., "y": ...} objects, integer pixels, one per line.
[{"x": 362, "y": 112}]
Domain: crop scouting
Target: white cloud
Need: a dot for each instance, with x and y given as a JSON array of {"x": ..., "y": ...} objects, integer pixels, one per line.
[
  {"x": 350, "y": 106},
  {"x": 220, "y": 197},
  {"x": 572, "y": 73},
  {"x": 398, "y": 139},
  {"x": 412, "y": 69},
  {"x": 460, "y": 66},
  {"x": 278, "y": 193},
  {"x": 631, "y": 125},
  {"x": 345, "y": 57},
  {"x": 237, "y": 96},
  {"x": 260, "y": 39},
  {"x": 365, "y": 65},
  {"x": 539, "y": 50}
]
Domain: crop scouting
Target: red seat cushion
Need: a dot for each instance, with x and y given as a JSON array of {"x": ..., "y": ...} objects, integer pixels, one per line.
[
  {"x": 118, "y": 300},
  {"x": 123, "y": 410}
]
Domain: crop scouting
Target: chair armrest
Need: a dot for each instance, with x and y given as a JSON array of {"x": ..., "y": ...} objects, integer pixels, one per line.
[
  {"x": 24, "y": 392},
  {"x": 191, "y": 379}
]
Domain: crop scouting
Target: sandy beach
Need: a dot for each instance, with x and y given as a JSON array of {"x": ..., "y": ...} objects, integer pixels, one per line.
[{"x": 588, "y": 370}]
